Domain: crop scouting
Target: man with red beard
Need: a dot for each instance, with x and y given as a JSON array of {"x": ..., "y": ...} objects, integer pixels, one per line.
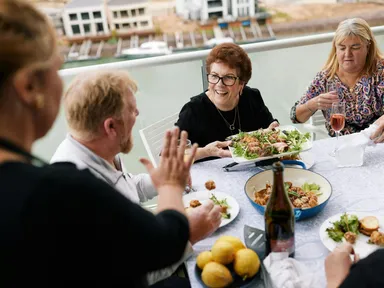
[{"x": 101, "y": 111}]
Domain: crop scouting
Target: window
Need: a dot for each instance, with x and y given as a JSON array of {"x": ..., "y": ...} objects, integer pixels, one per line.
[
  {"x": 85, "y": 16},
  {"x": 215, "y": 15},
  {"x": 133, "y": 13},
  {"x": 87, "y": 28},
  {"x": 115, "y": 14},
  {"x": 214, "y": 4},
  {"x": 126, "y": 25},
  {"x": 124, "y": 14},
  {"x": 134, "y": 24},
  {"x": 144, "y": 23},
  {"x": 99, "y": 27},
  {"x": 117, "y": 26},
  {"x": 73, "y": 16},
  {"x": 242, "y": 11},
  {"x": 75, "y": 29},
  {"x": 96, "y": 15},
  {"x": 141, "y": 11}
]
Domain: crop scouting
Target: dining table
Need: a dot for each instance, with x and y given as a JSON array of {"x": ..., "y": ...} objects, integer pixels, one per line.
[{"x": 358, "y": 189}]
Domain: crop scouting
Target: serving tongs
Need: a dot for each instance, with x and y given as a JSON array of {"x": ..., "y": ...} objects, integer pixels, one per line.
[{"x": 266, "y": 162}]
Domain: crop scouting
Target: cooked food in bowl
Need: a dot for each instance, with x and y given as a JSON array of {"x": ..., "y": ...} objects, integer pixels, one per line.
[
  {"x": 295, "y": 156},
  {"x": 301, "y": 197},
  {"x": 300, "y": 178}
]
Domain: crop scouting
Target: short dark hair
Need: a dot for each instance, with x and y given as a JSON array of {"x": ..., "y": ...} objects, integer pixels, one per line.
[{"x": 234, "y": 56}]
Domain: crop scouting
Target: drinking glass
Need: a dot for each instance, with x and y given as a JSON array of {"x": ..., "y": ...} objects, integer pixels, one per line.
[
  {"x": 188, "y": 150},
  {"x": 337, "y": 121},
  {"x": 187, "y": 155}
]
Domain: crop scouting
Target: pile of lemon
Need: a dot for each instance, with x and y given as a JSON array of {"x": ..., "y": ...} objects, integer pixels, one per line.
[{"x": 227, "y": 250}]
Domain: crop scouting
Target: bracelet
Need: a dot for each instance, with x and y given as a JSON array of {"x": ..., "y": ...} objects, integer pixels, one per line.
[{"x": 306, "y": 105}]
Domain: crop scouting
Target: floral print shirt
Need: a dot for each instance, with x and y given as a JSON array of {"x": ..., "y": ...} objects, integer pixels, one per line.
[{"x": 363, "y": 105}]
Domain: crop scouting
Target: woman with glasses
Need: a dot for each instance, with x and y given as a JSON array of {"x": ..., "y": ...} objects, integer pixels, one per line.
[{"x": 227, "y": 107}]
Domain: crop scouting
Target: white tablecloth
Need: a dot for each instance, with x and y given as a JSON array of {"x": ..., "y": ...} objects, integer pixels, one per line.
[{"x": 354, "y": 189}]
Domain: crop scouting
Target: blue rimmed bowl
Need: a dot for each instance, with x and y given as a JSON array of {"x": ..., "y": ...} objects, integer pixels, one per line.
[{"x": 298, "y": 177}]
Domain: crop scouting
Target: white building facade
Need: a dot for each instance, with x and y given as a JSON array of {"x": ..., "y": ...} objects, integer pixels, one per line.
[
  {"x": 215, "y": 9},
  {"x": 129, "y": 15},
  {"x": 85, "y": 18},
  {"x": 243, "y": 8},
  {"x": 55, "y": 15}
]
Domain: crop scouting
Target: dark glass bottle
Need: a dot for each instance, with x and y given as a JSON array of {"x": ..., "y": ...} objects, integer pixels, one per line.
[{"x": 279, "y": 217}]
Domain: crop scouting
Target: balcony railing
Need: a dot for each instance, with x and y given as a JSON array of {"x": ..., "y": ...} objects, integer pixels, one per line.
[{"x": 282, "y": 69}]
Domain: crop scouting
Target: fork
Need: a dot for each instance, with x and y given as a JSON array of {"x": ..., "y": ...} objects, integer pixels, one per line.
[{"x": 188, "y": 189}]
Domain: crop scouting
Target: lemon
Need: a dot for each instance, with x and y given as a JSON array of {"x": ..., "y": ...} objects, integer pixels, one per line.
[
  {"x": 223, "y": 252},
  {"x": 236, "y": 242},
  {"x": 203, "y": 259},
  {"x": 247, "y": 263},
  {"x": 216, "y": 275}
]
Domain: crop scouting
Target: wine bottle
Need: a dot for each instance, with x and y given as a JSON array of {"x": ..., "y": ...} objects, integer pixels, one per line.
[{"x": 279, "y": 216}]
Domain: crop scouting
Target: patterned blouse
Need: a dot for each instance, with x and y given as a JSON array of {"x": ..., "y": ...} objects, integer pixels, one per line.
[{"x": 361, "y": 110}]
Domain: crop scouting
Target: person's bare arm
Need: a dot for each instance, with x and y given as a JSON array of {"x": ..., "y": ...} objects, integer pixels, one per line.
[
  {"x": 321, "y": 102},
  {"x": 214, "y": 149}
]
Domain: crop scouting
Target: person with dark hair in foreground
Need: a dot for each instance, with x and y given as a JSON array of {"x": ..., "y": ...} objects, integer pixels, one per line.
[{"x": 61, "y": 227}]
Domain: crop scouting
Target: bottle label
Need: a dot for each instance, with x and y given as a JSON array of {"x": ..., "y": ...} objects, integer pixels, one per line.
[{"x": 280, "y": 245}]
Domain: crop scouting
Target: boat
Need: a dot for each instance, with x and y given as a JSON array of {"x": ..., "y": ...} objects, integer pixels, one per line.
[
  {"x": 147, "y": 49},
  {"x": 217, "y": 41}
]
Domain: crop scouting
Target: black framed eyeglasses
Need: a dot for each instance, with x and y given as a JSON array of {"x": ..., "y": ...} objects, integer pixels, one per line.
[{"x": 226, "y": 80}]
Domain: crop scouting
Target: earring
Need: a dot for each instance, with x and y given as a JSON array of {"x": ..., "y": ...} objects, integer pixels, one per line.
[{"x": 39, "y": 101}]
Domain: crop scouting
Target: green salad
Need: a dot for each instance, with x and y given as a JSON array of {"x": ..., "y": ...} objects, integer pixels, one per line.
[
  {"x": 268, "y": 142},
  {"x": 223, "y": 204},
  {"x": 347, "y": 223}
]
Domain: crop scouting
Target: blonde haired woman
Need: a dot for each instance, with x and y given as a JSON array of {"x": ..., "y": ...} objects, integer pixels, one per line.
[
  {"x": 61, "y": 227},
  {"x": 352, "y": 74}
]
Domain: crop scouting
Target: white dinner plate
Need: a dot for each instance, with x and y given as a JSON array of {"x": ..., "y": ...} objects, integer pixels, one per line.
[
  {"x": 203, "y": 196},
  {"x": 361, "y": 247},
  {"x": 306, "y": 146}
]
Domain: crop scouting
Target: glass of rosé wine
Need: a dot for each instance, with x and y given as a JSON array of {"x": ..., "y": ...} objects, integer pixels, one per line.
[{"x": 337, "y": 121}]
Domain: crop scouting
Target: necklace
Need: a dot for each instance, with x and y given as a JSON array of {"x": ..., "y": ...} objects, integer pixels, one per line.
[{"x": 232, "y": 126}]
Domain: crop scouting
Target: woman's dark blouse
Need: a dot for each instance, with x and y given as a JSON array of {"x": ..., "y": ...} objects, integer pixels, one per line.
[
  {"x": 367, "y": 273},
  {"x": 204, "y": 125},
  {"x": 61, "y": 227}
]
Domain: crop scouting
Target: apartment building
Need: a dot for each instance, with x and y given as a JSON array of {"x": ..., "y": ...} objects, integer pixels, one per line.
[
  {"x": 215, "y": 9},
  {"x": 130, "y": 15},
  {"x": 55, "y": 15},
  {"x": 85, "y": 18}
]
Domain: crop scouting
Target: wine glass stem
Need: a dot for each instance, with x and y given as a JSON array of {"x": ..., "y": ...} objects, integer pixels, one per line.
[{"x": 337, "y": 141}]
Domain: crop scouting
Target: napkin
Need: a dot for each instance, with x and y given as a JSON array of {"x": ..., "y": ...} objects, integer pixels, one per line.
[
  {"x": 352, "y": 148},
  {"x": 359, "y": 139},
  {"x": 287, "y": 272}
]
